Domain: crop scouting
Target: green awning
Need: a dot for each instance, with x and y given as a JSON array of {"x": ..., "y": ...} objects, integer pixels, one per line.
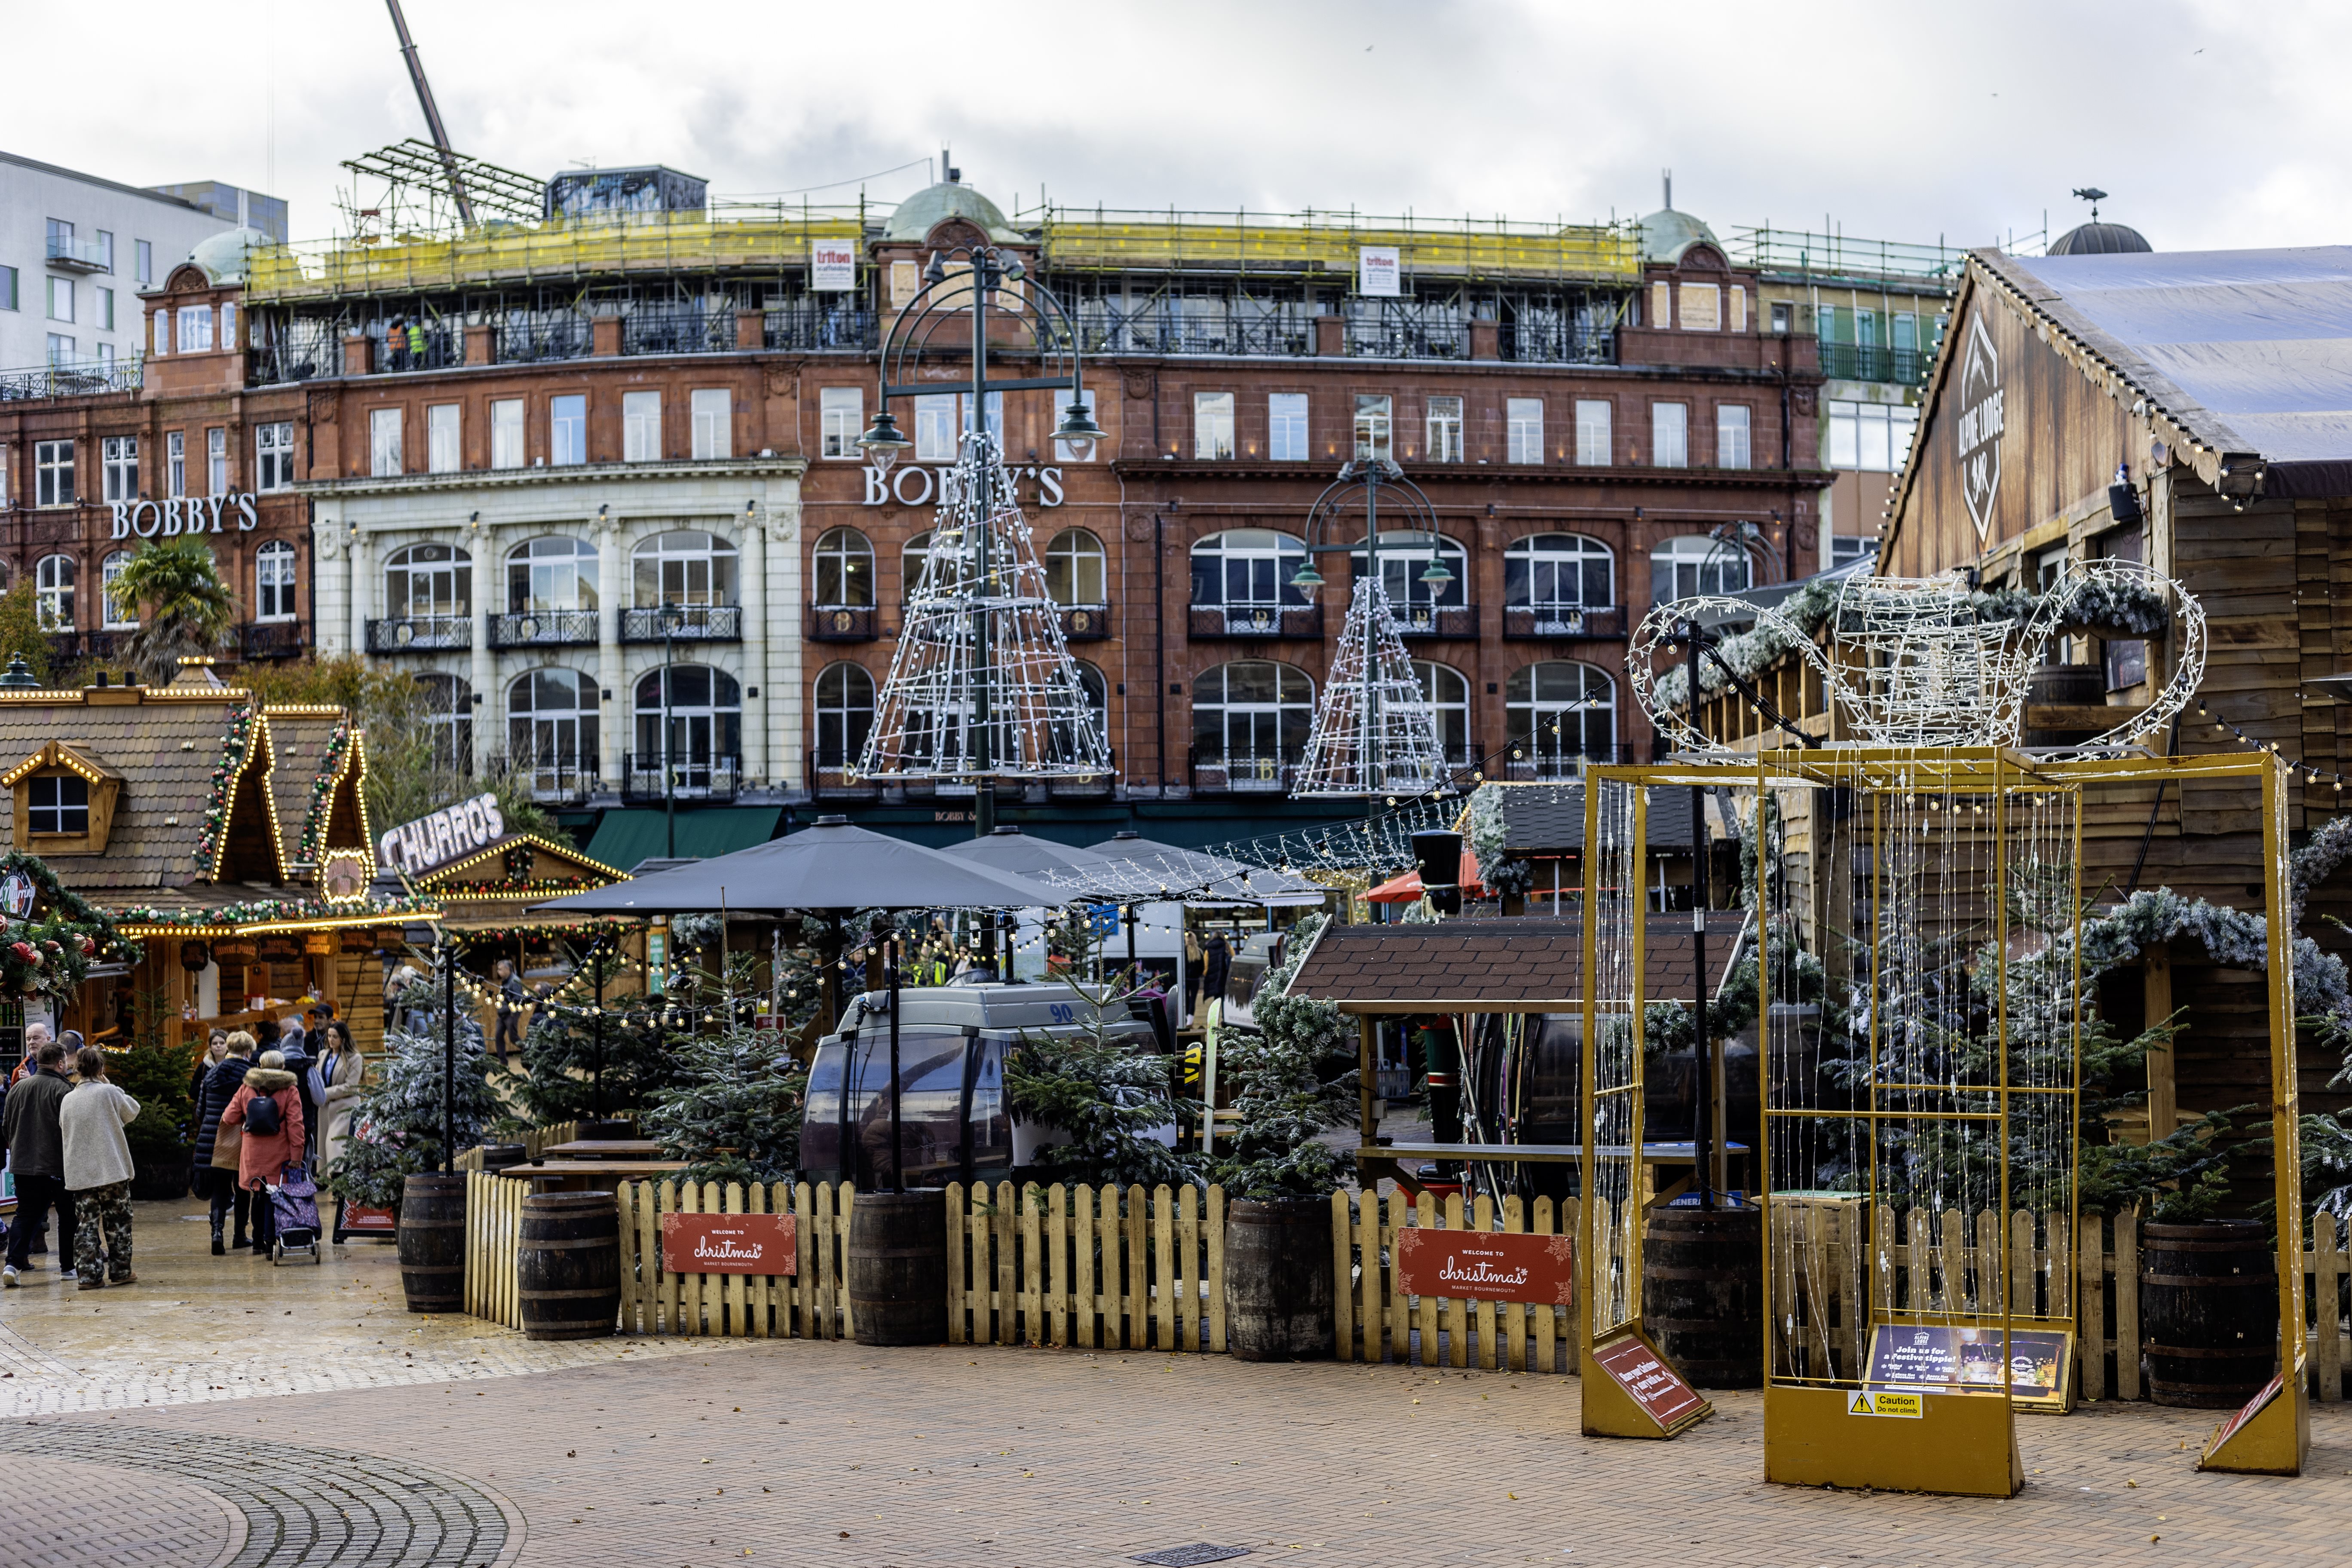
[{"x": 626, "y": 838}]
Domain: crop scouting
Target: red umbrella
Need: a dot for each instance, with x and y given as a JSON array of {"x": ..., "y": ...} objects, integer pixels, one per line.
[{"x": 1407, "y": 889}]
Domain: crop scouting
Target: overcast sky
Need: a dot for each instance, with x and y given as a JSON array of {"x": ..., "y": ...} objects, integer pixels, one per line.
[{"x": 2213, "y": 125}]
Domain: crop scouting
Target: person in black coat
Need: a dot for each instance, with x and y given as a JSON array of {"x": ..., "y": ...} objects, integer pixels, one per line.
[{"x": 220, "y": 1087}]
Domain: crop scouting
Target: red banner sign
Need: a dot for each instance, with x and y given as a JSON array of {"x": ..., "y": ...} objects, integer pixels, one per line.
[
  {"x": 1483, "y": 1266},
  {"x": 1654, "y": 1385},
  {"x": 730, "y": 1244}
]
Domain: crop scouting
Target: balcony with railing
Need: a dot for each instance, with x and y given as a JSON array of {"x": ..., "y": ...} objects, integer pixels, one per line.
[
  {"x": 420, "y": 634},
  {"x": 544, "y": 628},
  {"x": 832, "y": 777},
  {"x": 808, "y": 326},
  {"x": 1085, "y": 623},
  {"x": 535, "y": 339},
  {"x": 1548, "y": 338},
  {"x": 679, "y": 329},
  {"x": 1443, "y": 621},
  {"x": 65, "y": 645},
  {"x": 71, "y": 378},
  {"x": 1875, "y": 361},
  {"x": 270, "y": 639},
  {"x": 1538, "y": 622},
  {"x": 67, "y": 254},
  {"x": 1239, "y": 772},
  {"x": 649, "y": 777},
  {"x": 1406, "y": 329},
  {"x": 684, "y": 623},
  {"x": 1299, "y": 622},
  {"x": 841, "y": 623},
  {"x": 1174, "y": 326},
  {"x": 562, "y": 781},
  {"x": 404, "y": 351}
]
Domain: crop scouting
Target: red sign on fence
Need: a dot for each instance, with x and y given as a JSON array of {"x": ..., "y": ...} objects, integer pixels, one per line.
[
  {"x": 730, "y": 1244},
  {"x": 1654, "y": 1385},
  {"x": 1486, "y": 1266}
]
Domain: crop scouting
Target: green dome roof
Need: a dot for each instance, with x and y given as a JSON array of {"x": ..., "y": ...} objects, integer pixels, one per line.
[
  {"x": 1666, "y": 235},
  {"x": 927, "y": 208},
  {"x": 222, "y": 255}
]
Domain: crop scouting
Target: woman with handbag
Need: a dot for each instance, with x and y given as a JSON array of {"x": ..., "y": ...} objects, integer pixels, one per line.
[{"x": 219, "y": 1143}]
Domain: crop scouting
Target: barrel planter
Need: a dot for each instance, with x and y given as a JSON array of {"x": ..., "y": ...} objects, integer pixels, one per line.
[
  {"x": 433, "y": 1241},
  {"x": 1278, "y": 1279},
  {"x": 2209, "y": 1312},
  {"x": 1703, "y": 1291},
  {"x": 898, "y": 1268},
  {"x": 499, "y": 1156},
  {"x": 568, "y": 1265}
]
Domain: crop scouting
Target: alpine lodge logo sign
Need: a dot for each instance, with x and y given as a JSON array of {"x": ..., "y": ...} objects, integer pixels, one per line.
[{"x": 1980, "y": 427}]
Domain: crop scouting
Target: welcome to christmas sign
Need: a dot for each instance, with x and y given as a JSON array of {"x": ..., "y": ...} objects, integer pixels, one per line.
[
  {"x": 1486, "y": 1266},
  {"x": 730, "y": 1244}
]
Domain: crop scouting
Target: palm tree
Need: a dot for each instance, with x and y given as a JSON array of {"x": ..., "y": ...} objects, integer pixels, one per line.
[{"x": 189, "y": 610}]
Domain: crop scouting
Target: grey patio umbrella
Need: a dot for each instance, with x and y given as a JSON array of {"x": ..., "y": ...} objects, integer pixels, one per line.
[
  {"x": 828, "y": 866},
  {"x": 1076, "y": 873},
  {"x": 1151, "y": 869}
]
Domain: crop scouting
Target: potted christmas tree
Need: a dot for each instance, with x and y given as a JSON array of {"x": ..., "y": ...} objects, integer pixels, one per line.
[{"x": 1297, "y": 1076}]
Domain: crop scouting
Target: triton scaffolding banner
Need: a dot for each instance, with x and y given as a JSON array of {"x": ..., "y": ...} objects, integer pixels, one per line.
[{"x": 832, "y": 266}]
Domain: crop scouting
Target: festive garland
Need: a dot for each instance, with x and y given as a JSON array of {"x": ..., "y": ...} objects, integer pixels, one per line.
[
  {"x": 235, "y": 746},
  {"x": 263, "y": 912},
  {"x": 51, "y": 956},
  {"x": 322, "y": 791}
]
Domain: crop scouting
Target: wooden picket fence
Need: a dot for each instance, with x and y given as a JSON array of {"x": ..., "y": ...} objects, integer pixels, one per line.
[
  {"x": 812, "y": 1304},
  {"x": 1093, "y": 1267},
  {"x": 493, "y": 1242},
  {"x": 534, "y": 1141},
  {"x": 1374, "y": 1320}
]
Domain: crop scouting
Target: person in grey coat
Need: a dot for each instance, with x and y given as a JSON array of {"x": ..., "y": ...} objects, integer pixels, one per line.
[
  {"x": 97, "y": 1169},
  {"x": 36, "y": 1159}
]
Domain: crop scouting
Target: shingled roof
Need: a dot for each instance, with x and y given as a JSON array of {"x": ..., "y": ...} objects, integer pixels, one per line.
[{"x": 1527, "y": 965}]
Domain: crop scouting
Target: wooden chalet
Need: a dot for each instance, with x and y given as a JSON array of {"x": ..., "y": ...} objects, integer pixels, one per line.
[{"x": 231, "y": 840}]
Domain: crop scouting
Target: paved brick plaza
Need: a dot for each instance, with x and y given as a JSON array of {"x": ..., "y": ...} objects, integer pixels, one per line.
[{"x": 480, "y": 1449}]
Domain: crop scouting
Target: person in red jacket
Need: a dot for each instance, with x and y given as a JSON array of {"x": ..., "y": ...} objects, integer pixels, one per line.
[{"x": 263, "y": 1157}]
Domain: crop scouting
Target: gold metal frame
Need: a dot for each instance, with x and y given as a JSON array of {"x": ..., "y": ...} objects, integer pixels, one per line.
[{"x": 1966, "y": 1442}]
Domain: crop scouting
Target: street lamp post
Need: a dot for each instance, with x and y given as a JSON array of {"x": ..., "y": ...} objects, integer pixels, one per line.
[{"x": 989, "y": 268}]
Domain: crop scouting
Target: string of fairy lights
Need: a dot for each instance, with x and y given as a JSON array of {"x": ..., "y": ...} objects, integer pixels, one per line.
[{"x": 2223, "y": 726}]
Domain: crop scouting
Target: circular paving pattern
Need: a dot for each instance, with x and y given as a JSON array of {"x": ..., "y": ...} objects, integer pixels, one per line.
[
  {"x": 298, "y": 1505},
  {"x": 66, "y": 1512}
]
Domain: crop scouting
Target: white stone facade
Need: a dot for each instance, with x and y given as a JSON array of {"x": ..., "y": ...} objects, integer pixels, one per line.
[{"x": 360, "y": 525}]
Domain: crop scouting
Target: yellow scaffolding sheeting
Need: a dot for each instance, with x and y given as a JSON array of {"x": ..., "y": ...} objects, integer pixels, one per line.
[{"x": 1462, "y": 247}]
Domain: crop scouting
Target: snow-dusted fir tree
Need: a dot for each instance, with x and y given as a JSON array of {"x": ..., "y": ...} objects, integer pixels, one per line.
[
  {"x": 396, "y": 1127},
  {"x": 1297, "y": 1072},
  {"x": 733, "y": 1112}
]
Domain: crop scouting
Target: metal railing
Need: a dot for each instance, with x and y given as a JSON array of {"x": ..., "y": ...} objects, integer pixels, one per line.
[
  {"x": 1435, "y": 620},
  {"x": 537, "y": 340},
  {"x": 649, "y": 777},
  {"x": 691, "y": 328},
  {"x": 71, "y": 378},
  {"x": 271, "y": 639},
  {"x": 400, "y": 353},
  {"x": 830, "y": 777},
  {"x": 1539, "y": 621},
  {"x": 1175, "y": 326},
  {"x": 694, "y": 623},
  {"x": 1875, "y": 361},
  {"x": 1559, "y": 341},
  {"x": 1267, "y": 772},
  {"x": 808, "y": 325},
  {"x": 420, "y": 634},
  {"x": 80, "y": 255},
  {"x": 841, "y": 623},
  {"x": 1085, "y": 623},
  {"x": 1301, "y": 621},
  {"x": 1405, "y": 328},
  {"x": 1819, "y": 254},
  {"x": 544, "y": 628},
  {"x": 565, "y": 781}
]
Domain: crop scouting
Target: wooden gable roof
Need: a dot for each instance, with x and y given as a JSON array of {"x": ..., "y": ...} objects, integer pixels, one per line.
[
  {"x": 1528, "y": 965},
  {"x": 516, "y": 867}
]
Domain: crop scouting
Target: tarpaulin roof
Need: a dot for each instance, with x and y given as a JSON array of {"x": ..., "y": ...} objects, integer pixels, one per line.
[
  {"x": 2256, "y": 344},
  {"x": 1407, "y": 889}
]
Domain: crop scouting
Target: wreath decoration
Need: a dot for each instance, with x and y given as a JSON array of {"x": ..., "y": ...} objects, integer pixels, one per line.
[{"x": 50, "y": 954}]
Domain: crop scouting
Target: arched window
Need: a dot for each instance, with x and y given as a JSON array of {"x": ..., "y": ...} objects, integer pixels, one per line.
[
  {"x": 912, "y": 559},
  {"x": 1097, "y": 691},
  {"x": 427, "y": 581},
  {"x": 1690, "y": 564},
  {"x": 845, "y": 714},
  {"x": 448, "y": 720},
  {"x": 1252, "y": 717},
  {"x": 704, "y": 708},
  {"x": 544, "y": 575},
  {"x": 1075, "y": 569},
  {"x": 1561, "y": 714},
  {"x": 551, "y": 729},
  {"x": 1447, "y": 691},
  {"x": 1555, "y": 576},
  {"x": 843, "y": 573},
  {"x": 120, "y": 613},
  {"x": 52, "y": 590},
  {"x": 273, "y": 582},
  {"x": 1405, "y": 558},
  {"x": 686, "y": 567},
  {"x": 1248, "y": 566}
]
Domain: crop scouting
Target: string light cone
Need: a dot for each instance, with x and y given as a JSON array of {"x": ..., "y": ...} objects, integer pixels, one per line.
[
  {"x": 982, "y": 682},
  {"x": 1374, "y": 730}
]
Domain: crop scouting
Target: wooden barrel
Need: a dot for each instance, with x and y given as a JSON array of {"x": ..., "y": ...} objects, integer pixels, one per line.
[
  {"x": 1702, "y": 1292},
  {"x": 2209, "y": 1312},
  {"x": 433, "y": 1241},
  {"x": 569, "y": 1266},
  {"x": 499, "y": 1156},
  {"x": 1278, "y": 1279},
  {"x": 898, "y": 1268}
]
